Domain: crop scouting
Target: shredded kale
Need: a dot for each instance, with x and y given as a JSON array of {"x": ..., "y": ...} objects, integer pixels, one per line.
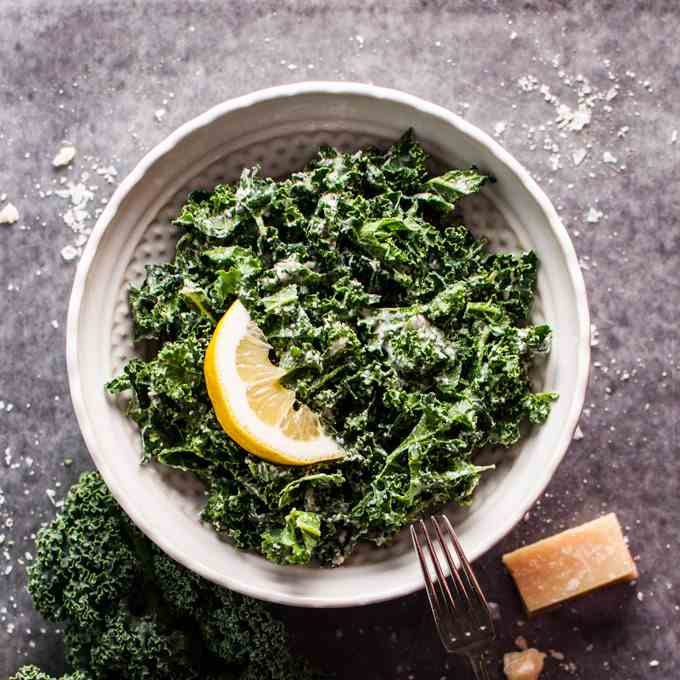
[
  {"x": 130, "y": 613},
  {"x": 408, "y": 337}
]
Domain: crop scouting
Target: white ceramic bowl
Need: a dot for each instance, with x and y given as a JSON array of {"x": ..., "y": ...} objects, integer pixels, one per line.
[{"x": 281, "y": 128}]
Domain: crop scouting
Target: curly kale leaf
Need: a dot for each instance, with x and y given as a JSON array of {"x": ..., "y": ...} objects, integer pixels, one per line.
[
  {"x": 34, "y": 673},
  {"x": 131, "y": 613},
  {"x": 456, "y": 184},
  {"x": 401, "y": 330},
  {"x": 295, "y": 543}
]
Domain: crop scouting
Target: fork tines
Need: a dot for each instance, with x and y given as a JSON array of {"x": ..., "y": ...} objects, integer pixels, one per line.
[{"x": 460, "y": 610}]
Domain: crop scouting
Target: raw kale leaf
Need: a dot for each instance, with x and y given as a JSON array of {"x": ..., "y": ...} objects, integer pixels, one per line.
[
  {"x": 130, "y": 613},
  {"x": 34, "y": 673},
  {"x": 408, "y": 337}
]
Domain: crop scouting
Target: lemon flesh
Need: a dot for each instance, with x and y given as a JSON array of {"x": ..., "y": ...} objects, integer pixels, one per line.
[{"x": 251, "y": 405}]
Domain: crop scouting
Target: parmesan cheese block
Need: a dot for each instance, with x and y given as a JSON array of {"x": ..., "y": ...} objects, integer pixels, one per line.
[
  {"x": 525, "y": 665},
  {"x": 571, "y": 563}
]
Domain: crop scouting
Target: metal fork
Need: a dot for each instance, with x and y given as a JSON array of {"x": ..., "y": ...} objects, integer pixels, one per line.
[{"x": 461, "y": 612}]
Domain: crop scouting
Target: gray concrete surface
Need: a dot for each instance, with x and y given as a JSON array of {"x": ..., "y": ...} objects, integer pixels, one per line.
[{"x": 95, "y": 72}]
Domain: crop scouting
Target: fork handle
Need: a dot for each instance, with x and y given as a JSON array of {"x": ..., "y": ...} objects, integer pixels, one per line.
[{"x": 479, "y": 667}]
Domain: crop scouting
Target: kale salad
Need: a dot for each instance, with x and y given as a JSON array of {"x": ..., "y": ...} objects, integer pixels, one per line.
[{"x": 407, "y": 336}]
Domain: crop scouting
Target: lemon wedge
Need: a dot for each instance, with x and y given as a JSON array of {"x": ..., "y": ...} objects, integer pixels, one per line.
[{"x": 251, "y": 404}]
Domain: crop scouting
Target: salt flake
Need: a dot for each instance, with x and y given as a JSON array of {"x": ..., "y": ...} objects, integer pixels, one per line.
[
  {"x": 109, "y": 173},
  {"x": 527, "y": 83},
  {"x": 574, "y": 120},
  {"x": 77, "y": 215},
  {"x": 593, "y": 216},
  {"x": 611, "y": 93},
  {"x": 594, "y": 335}
]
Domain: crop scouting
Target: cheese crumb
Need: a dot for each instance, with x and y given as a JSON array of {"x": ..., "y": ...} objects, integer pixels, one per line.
[
  {"x": 69, "y": 253},
  {"x": 593, "y": 216},
  {"x": 608, "y": 157},
  {"x": 578, "y": 156},
  {"x": 64, "y": 156},
  {"x": 525, "y": 665},
  {"x": 9, "y": 214},
  {"x": 159, "y": 114}
]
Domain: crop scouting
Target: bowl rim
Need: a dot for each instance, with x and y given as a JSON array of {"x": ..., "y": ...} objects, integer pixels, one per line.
[{"x": 138, "y": 173}]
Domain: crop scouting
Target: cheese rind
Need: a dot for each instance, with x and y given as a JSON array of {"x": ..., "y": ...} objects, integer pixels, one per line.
[{"x": 571, "y": 563}]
